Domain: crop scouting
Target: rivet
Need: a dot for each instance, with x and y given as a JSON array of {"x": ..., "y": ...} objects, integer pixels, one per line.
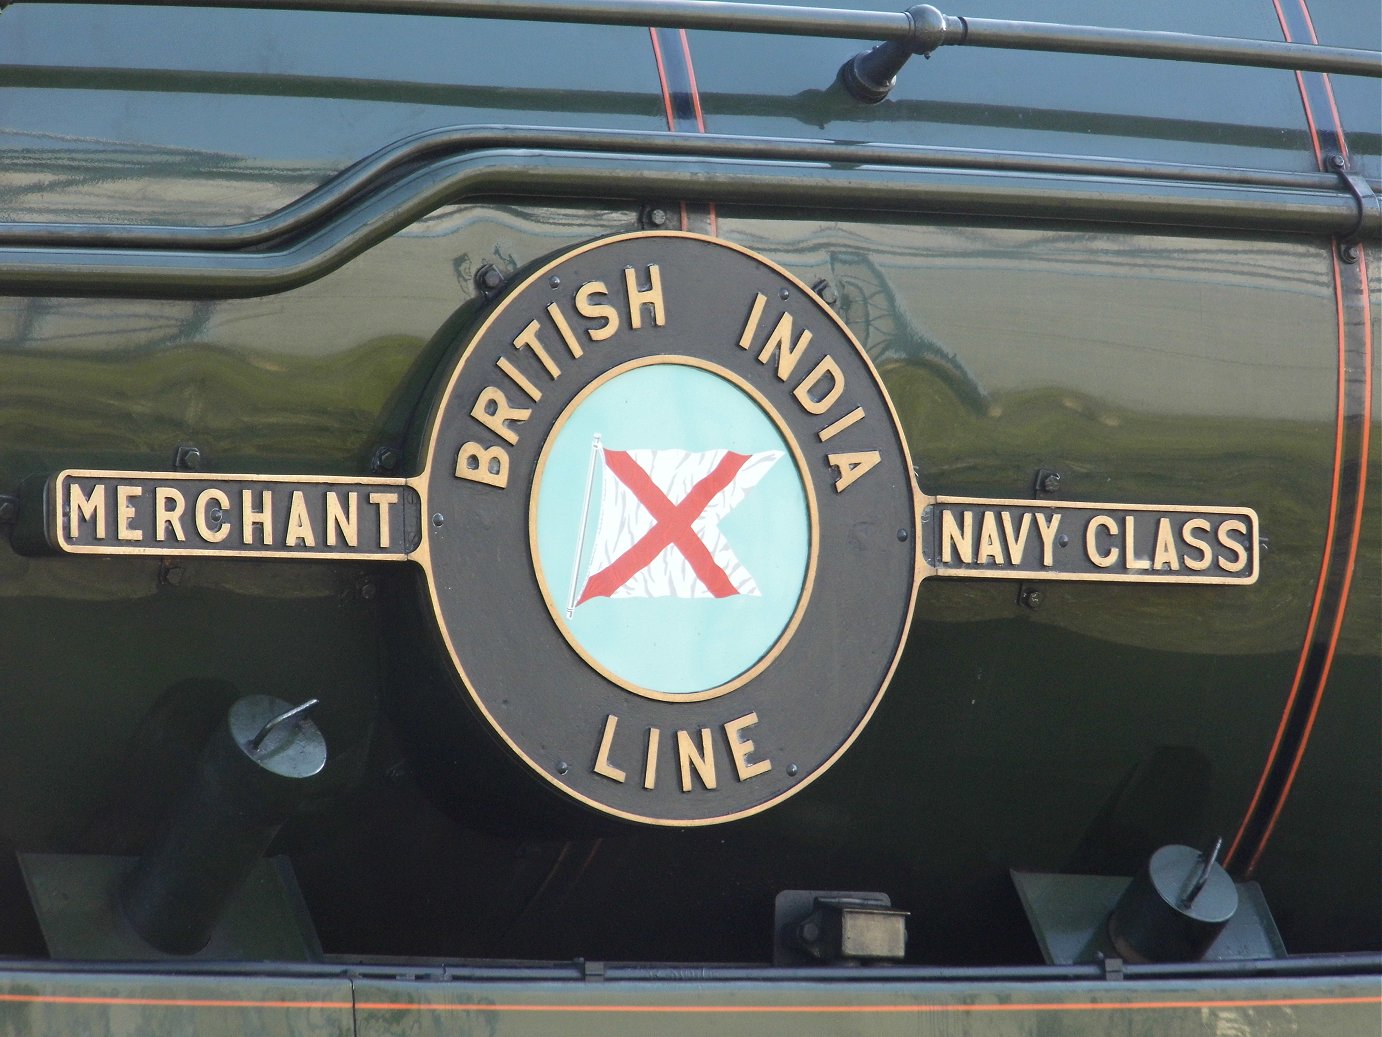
[
  {"x": 563, "y": 767},
  {"x": 386, "y": 459},
  {"x": 902, "y": 535},
  {"x": 785, "y": 293},
  {"x": 792, "y": 769},
  {"x": 554, "y": 281},
  {"x": 438, "y": 519},
  {"x": 1063, "y": 540},
  {"x": 488, "y": 278}
]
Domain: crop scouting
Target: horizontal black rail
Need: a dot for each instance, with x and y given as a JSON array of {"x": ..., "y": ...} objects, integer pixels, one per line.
[
  {"x": 845, "y": 24},
  {"x": 373, "y": 201},
  {"x": 440, "y": 970},
  {"x": 391, "y": 161}
]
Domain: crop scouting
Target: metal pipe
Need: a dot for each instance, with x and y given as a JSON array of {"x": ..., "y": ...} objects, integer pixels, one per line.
[
  {"x": 845, "y": 24},
  {"x": 1168, "y": 46},
  {"x": 376, "y": 170},
  {"x": 537, "y": 173}
]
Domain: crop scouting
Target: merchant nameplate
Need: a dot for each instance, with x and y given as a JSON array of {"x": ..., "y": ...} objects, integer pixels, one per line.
[{"x": 245, "y": 515}]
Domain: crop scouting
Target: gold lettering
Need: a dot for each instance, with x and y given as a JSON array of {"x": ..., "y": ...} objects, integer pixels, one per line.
[
  {"x": 851, "y": 466},
  {"x": 740, "y": 747},
  {"x": 602, "y": 765},
  {"x": 650, "y": 759},
  {"x": 343, "y": 520},
  {"x": 1132, "y": 561},
  {"x": 489, "y": 465},
  {"x": 597, "y": 310},
  {"x": 787, "y": 354},
  {"x": 1197, "y": 525},
  {"x": 564, "y": 330},
  {"x": 952, "y": 536},
  {"x": 1016, "y": 545},
  {"x": 1165, "y": 553},
  {"x": 299, "y": 523},
  {"x": 250, "y": 518},
  {"x": 989, "y": 547},
  {"x": 168, "y": 509},
  {"x": 703, "y": 761},
  {"x": 124, "y": 512},
  {"x": 492, "y": 410},
  {"x": 1091, "y": 545},
  {"x": 812, "y": 404},
  {"x": 1240, "y": 556},
  {"x": 212, "y": 534},
  {"x": 751, "y": 325},
  {"x": 91, "y": 508},
  {"x": 640, "y": 297},
  {"x": 383, "y": 501},
  {"x": 527, "y": 339},
  {"x": 1048, "y": 536},
  {"x": 836, "y": 427},
  {"x": 519, "y": 379}
]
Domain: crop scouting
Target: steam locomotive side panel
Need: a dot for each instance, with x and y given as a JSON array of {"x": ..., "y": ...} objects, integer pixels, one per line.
[{"x": 1013, "y": 254}]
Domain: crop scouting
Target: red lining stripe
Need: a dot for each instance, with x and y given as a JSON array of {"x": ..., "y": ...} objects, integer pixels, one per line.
[
  {"x": 1353, "y": 541},
  {"x": 662, "y": 81},
  {"x": 688, "y": 90},
  {"x": 691, "y": 76},
  {"x": 405, "y": 1006},
  {"x": 1040, "y": 1006},
  {"x": 1327, "y": 561}
]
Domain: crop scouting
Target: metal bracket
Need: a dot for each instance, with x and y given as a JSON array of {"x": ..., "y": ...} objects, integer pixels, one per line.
[
  {"x": 1363, "y": 195},
  {"x": 832, "y": 927},
  {"x": 870, "y": 75}
]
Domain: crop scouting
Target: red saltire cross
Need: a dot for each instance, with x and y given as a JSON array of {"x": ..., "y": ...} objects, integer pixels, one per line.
[{"x": 672, "y": 526}]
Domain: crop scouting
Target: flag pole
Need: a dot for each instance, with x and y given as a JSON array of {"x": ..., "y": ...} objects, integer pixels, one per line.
[{"x": 580, "y": 535}]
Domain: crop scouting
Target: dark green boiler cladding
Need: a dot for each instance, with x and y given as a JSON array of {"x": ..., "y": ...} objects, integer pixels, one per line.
[{"x": 691, "y": 452}]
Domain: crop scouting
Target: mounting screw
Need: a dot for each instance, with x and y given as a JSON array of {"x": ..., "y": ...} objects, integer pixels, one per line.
[
  {"x": 214, "y": 513},
  {"x": 171, "y": 575},
  {"x": 653, "y": 216},
  {"x": 488, "y": 279},
  {"x": 1031, "y": 597},
  {"x": 826, "y": 291},
  {"x": 385, "y": 459},
  {"x": 1338, "y": 163},
  {"x": 1047, "y": 481},
  {"x": 187, "y": 457},
  {"x": 9, "y": 509},
  {"x": 1348, "y": 251}
]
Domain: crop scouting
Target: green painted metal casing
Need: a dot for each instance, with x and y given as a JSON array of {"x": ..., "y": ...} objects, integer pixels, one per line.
[{"x": 1144, "y": 362}]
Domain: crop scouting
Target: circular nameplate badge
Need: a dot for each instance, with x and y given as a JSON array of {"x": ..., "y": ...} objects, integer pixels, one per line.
[{"x": 672, "y": 528}]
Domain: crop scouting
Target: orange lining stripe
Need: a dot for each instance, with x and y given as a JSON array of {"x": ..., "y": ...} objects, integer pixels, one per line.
[
  {"x": 1353, "y": 543},
  {"x": 167, "y": 1002},
  {"x": 1328, "y": 87},
  {"x": 1048, "y": 1006},
  {"x": 1319, "y": 591},
  {"x": 662, "y": 81},
  {"x": 1331, "y": 526},
  {"x": 691, "y": 77},
  {"x": 404, "y": 1006}
]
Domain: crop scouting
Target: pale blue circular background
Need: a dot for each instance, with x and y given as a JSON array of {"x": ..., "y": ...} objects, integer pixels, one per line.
[{"x": 675, "y": 646}]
